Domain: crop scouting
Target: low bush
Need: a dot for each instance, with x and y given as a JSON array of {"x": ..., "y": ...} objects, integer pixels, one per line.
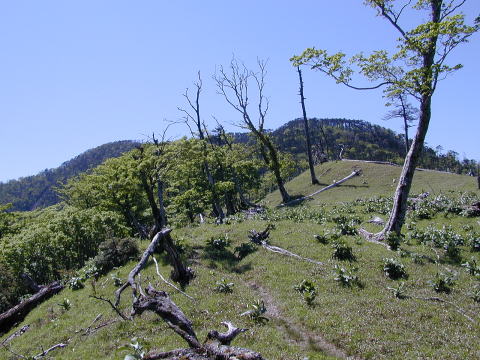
[
  {"x": 114, "y": 253},
  {"x": 394, "y": 269},
  {"x": 342, "y": 251}
]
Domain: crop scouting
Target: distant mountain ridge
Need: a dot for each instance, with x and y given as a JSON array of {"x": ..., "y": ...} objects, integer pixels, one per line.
[
  {"x": 37, "y": 191},
  {"x": 332, "y": 138}
]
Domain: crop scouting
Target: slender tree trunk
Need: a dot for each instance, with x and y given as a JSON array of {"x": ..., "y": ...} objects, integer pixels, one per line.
[
  {"x": 406, "y": 136},
  {"x": 270, "y": 157},
  {"x": 307, "y": 131},
  {"x": 399, "y": 210},
  {"x": 161, "y": 203}
]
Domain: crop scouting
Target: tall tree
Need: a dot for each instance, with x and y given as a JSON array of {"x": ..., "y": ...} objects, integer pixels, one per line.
[
  {"x": 234, "y": 87},
  {"x": 307, "y": 131},
  {"x": 405, "y": 111},
  {"x": 415, "y": 69}
]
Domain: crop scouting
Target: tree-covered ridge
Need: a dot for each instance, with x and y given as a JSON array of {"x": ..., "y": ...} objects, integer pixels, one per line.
[
  {"x": 37, "y": 191},
  {"x": 360, "y": 140}
]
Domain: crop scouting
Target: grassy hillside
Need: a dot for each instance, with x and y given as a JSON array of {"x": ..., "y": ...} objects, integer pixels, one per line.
[{"x": 362, "y": 319}]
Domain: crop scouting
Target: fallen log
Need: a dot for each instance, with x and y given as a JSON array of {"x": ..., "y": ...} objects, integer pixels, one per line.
[
  {"x": 180, "y": 270},
  {"x": 216, "y": 346},
  {"x": 12, "y": 316},
  {"x": 260, "y": 238},
  {"x": 356, "y": 172}
]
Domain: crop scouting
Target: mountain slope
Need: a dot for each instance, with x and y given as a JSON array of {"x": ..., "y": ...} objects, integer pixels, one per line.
[{"x": 37, "y": 191}]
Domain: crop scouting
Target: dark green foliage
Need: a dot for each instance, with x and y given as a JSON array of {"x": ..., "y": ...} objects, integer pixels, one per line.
[
  {"x": 308, "y": 291},
  {"x": 443, "y": 281},
  {"x": 472, "y": 267},
  {"x": 11, "y": 287},
  {"x": 38, "y": 191},
  {"x": 361, "y": 140},
  {"x": 342, "y": 251},
  {"x": 393, "y": 240},
  {"x": 394, "y": 269},
  {"x": 244, "y": 249},
  {"x": 218, "y": 243},
  {"x": 114, "y": 253},
  {"x": 223, "y": 286},
  {"x": 76, "y": 283},
  {"x": 347, "y": 276}
]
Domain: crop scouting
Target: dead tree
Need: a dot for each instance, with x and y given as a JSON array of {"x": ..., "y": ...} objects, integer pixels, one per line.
[
  {"x": 307, "y": 131},
  {"x": 12, "y": 316},
  {"x": 234, "y": 87},
  {"x": 196, "y": 119},
  {"x": 216, "y": 346},
  {"x": 405, "y": 111}
]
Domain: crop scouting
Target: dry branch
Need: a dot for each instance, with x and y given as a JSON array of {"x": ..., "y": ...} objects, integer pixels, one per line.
[
  {"x": 336, "y": 183},
  {"x": 260, "y": 238}
]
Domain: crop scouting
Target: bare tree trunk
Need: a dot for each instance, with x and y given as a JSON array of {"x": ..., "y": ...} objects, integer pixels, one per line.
[
  {"x": 307, "y": 131},
  {"x": 198, "y": 123}
]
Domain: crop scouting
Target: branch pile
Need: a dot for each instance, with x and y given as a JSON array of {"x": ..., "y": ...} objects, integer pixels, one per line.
[{"x": 216, "y": 346}]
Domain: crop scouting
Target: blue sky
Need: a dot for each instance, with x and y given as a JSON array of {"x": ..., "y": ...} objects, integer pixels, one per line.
[{"x": 77, "y": 74}]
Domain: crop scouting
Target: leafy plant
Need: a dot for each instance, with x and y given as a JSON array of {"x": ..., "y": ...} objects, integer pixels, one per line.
[
  {"x": 220, "y": 243},
  {"x": 342, "y": 251},
  {"x": 321, "y": 238},
  {"x": 308, "y": 291},
  {"x": 76, "y": 283},
  {"x": 114, "y": 253},
  {"x": 138, "y": 352},
  {"x": 346, "y": 277},
  {"x": 472, "y": 267},
  {"x": 443, "y": 281},
  {"x": 393, "y": 240},
  {"x": 245, "y": 249},
  {"x": 256, "y": 314},
  {"x": 116, "y": 280},
  {"x": 224, "y": 287},
  {"x": 394, "y": 269},
  {"x": 475, "y": 293},
  {"x": 399, "y": 291},
  {"x": 65, "y": 304}
]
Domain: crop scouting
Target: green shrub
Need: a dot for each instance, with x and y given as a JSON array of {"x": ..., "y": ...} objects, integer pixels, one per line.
[
  {"x": 443, "y": 282},
  {"x": 223, "y": 286},
  {"x": 218, "y": 243},
  {"x": 244, "y": 249},
  {"x": 394, "y": 269},
  {"x": 76, "y": 283},
  {"x": 342, "y": 251},
  {"x": 308, "y": 291},
  {"x": 114, "y": 253},
  {"x": 346, "y": 277}
]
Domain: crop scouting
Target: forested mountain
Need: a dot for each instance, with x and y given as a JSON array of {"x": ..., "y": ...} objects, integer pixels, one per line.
[
  {"x": 37, "y": 191},
  {"x": 359, "y": 140}
]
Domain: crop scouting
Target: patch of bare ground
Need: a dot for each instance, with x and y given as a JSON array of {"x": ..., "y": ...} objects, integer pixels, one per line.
[{"x": 295, "y": 332}]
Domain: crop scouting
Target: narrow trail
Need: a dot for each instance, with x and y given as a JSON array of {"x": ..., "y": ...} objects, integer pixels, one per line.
[{"x": 295, "y": 332}]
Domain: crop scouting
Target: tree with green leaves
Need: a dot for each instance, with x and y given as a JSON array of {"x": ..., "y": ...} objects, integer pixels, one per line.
[{"x": 416, "y": 68}]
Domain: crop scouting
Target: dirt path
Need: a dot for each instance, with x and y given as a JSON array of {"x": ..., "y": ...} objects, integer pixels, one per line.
[{"x": 295, "y": 332}]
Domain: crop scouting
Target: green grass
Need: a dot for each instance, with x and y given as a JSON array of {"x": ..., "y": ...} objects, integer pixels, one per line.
[{"x": 368, "y": 321}]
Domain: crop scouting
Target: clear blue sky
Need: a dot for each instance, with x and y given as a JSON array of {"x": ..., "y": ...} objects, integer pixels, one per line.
[{"x": 77, "y": 74}]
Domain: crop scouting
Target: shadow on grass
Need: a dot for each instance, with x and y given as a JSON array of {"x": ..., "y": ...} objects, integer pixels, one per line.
[{"x": 227, "y": 259}]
